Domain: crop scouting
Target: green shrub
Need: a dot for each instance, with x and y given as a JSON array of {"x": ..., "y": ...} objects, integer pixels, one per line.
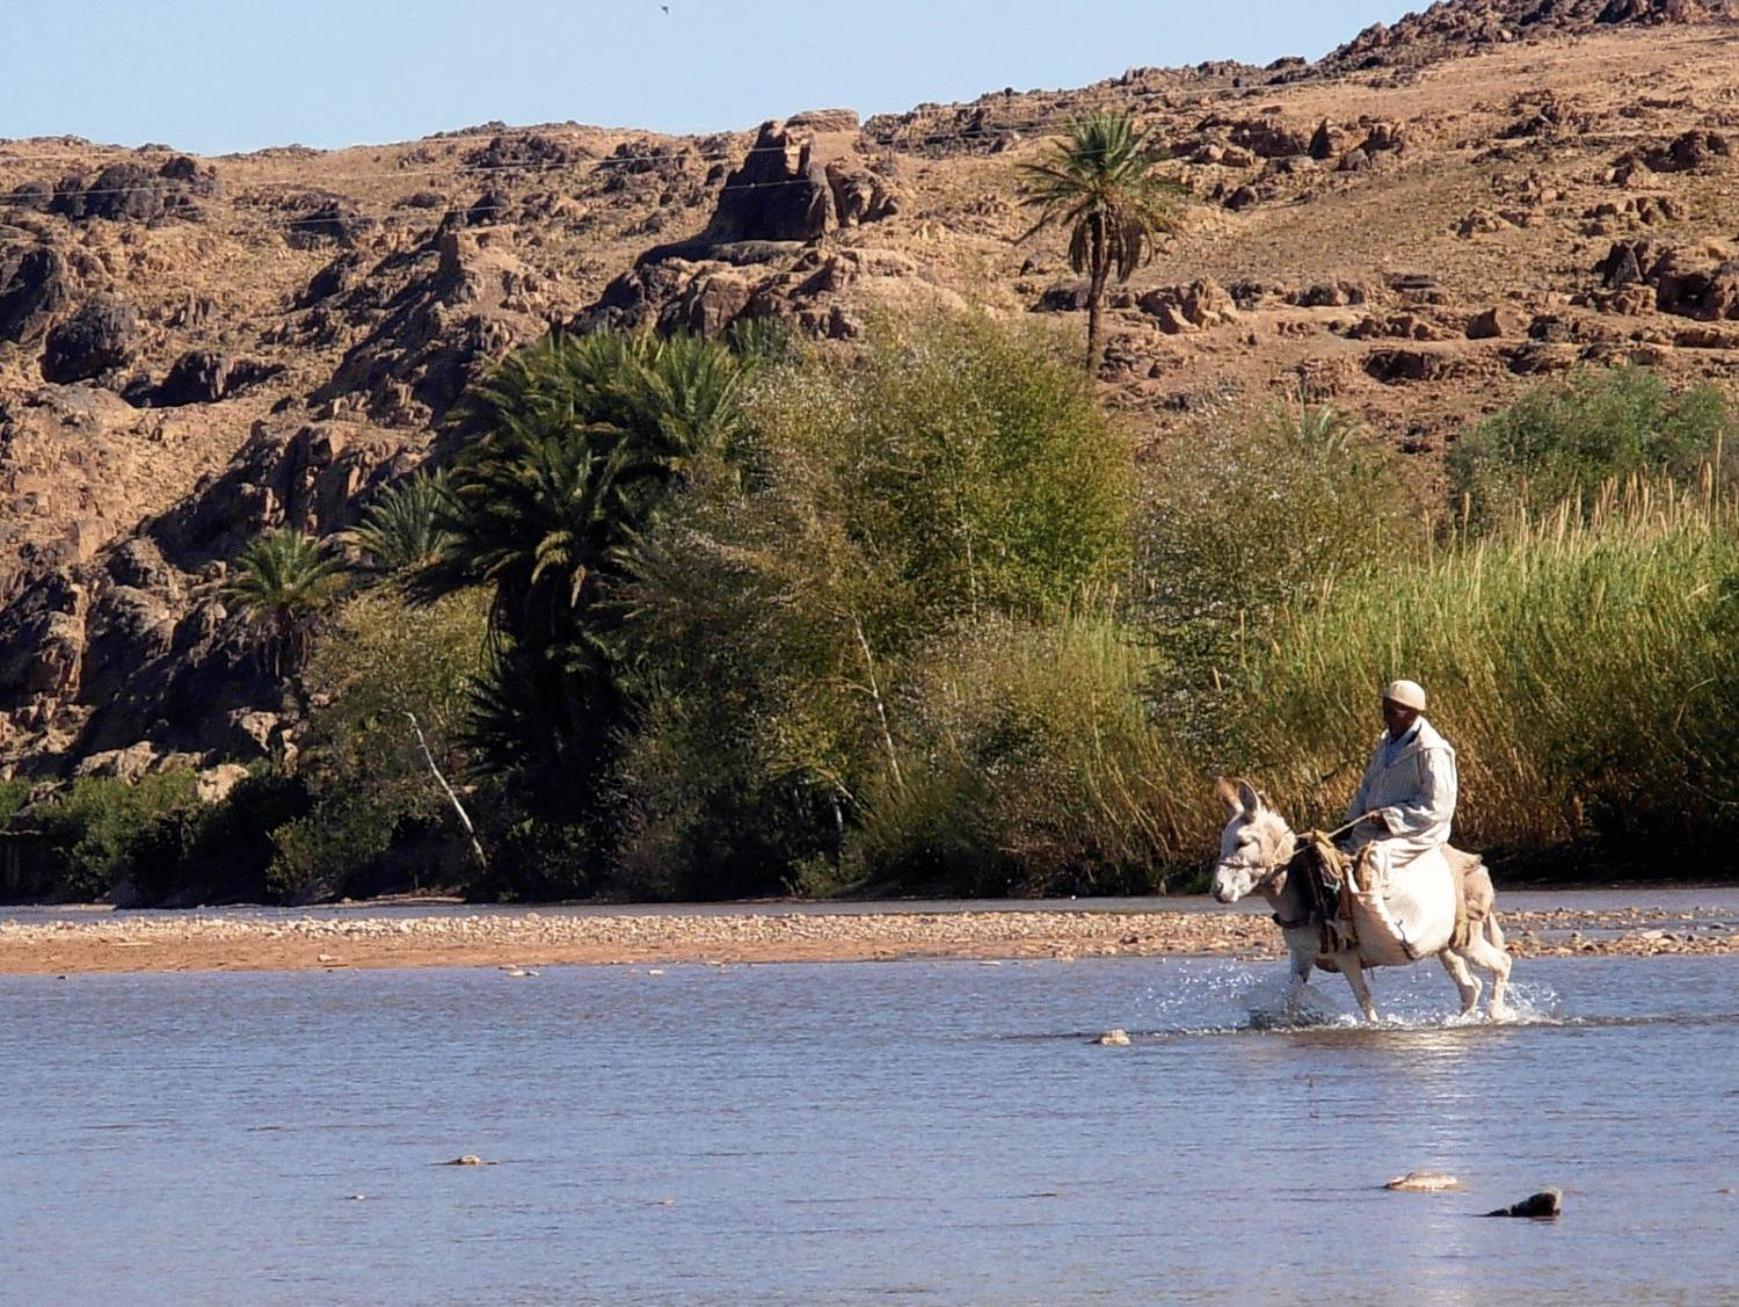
[
  {"x": 14, "y": 794},
  {"x": 100, "y": 825},
  {"x": 1241, "y": 523},
  {"x": 961, "y": 473},
  {"x": 1031, "y": 766},
  {"x": 1564, "y": 440},
  {"x": 318, "y": 852}
]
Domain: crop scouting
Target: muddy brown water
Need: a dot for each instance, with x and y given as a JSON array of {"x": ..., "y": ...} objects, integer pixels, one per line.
[{"x": 933, "y": 1133}]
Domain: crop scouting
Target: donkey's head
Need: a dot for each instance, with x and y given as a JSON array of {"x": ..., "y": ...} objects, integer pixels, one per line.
[{"x": 1255, "y": 845}]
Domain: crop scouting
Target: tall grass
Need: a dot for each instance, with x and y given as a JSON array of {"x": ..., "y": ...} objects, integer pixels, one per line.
[
  {"x": 1584, "y": 663},
  {"x": 1031, "y": 764}
]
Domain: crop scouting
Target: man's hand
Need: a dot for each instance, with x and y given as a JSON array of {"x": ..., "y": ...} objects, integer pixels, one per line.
[{"x": 1379, "y": 820}]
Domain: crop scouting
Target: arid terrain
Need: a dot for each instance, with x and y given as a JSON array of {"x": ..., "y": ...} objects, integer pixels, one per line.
[
  {"x": 515, "y": 940},
  {"x": 193, "y": 350}
]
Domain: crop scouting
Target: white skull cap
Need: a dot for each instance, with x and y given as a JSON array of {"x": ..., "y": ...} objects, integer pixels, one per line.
[{"x": 1409, "y": 694}]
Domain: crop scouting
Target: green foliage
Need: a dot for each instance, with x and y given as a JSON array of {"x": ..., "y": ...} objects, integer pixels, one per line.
[
  {"x": 959, "y": 474},
  {"x": 401, "y": 530},
  {"x": 283, "y": 580},
  {"x": 1562, "y": 441},
  {"x": 584, "y": 439},
  {"x": 316, "y": 853},
  {"x": 378, "y": 663},
  {"x": 1100, "y": 185},
  {"x": 1242, "y": 524},
  {"x": 151, "y": 841},
  {"x": 100, "y": 825},
  {"x": 14, "y": 794},
  {"x": 1032, "y": 767}
]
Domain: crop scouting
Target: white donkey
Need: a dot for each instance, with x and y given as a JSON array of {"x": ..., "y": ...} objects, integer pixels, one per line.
[{"x": 1416, "y": 912}]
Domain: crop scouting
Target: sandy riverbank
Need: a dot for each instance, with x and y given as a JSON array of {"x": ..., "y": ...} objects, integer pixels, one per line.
[{"x": 529, "y": 938}]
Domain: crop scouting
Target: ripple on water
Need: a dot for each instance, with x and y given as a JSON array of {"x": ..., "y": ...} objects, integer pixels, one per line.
[{"x": 805, "y": 1134}]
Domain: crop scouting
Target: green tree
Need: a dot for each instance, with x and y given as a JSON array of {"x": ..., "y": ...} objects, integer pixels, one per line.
[
  {"x": 1564, "y": 440},
  {"x": 961, "y": 473},
  {"x": 1099, "y": 183},
  {"x": 391, "y": 686},
  {"x": 583, "y": 440},
  {"x": 282, "y": 581},
  {"x": 401, "y": 529}
]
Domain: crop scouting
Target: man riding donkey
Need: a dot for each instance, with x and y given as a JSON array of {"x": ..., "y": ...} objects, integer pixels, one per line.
[
  {"x": 1406, "y": 802},
  {"x": 1391, "y": 891},
  {"x": 1403, "y": 809}
]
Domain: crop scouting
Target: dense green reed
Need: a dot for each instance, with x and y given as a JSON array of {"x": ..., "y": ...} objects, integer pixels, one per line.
[{"x": 1585, "y": 664}]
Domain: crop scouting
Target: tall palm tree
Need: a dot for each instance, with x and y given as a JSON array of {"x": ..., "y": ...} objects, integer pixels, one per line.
[
  {"x": 584, "y": 440},
  {"x": 282, "y": 580},
  {"x": 1100, "y": 184}
]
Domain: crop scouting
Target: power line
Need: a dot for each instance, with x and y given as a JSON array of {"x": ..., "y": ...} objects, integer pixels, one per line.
[
  {"x": 121, "y": 153},
  {"x": 645, "y": 162}
]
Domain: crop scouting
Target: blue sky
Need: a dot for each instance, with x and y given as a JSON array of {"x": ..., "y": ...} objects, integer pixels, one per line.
[{"x": 224, "y": 75}]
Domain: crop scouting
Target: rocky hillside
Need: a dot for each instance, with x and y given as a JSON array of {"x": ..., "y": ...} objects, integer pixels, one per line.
[{"x": 192, "y": 350}]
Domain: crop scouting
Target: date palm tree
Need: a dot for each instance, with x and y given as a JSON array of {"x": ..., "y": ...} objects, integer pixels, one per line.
[
  {"x": 1099, "y": 183},
  {"x": 401, "y": 530},
  {"x": 583, "y": 441},
  {"x": 282, "y": 580}
]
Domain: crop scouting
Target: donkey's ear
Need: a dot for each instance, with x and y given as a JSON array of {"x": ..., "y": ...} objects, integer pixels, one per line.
[
  {"x": 1248, "y": 799},
  {"x": 1229, "y": 793}
]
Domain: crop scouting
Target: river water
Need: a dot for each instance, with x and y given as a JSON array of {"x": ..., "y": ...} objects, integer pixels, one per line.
[{"x": 933, "y": 1133}]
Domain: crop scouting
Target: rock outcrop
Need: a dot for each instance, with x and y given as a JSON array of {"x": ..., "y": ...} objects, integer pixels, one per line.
[{"x": 94, "y": 343}]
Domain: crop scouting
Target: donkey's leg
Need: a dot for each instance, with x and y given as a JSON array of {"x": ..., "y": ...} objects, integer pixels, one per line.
[
  {"x": 1355, "y": 974},
  {"x": 1464, "y": 979},
  {"x": 1300, "y": 965},
  {"x": 1485, "y": 949}
]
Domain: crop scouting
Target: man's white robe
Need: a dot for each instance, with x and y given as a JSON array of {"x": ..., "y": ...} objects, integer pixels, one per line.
[
  {"x": 1415, "y": 792},
  {"x": 1406, "y": 909}
]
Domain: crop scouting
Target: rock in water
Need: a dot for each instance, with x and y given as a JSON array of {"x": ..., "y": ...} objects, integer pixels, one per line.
[
  {"x": 1546, "y": 1203},
  {"x": 1423, "y": 1182},
  {"x": 1113, "y": 1039}
]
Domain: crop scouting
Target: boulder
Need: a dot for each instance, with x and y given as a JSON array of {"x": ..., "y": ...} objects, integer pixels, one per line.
[
  {"x": 709, "y": 304},
  {"x": 325, "y": 220},
  {"x": 1328, "y": 295},
  {"x": 1423, "y": 1182},
  {"x": 33, "y": 288},
  {"x": 1269, "y": 138},
  {"x": 1325, "y": 142},
  {"x": 128, "y": 627},
  {"x": 139, "y": 563},
  {"x": 1180, "y": 310},
  {"x": 252, "y": 733},
  {"x": 213, "y": 785},
  {"x": 101, "y": 338},
  {"x": 1545, "y": 1205},
  {"x": 1396, "y": 366},
  {"x": 34, "y": 197},
  {"x": 824, "y": 120},
  {"x": 197, "y": 377},
  {"x": 1494, "y": 323},
  {"x": 859, "y": 195},
  {"x": 128, "y": 764},
  {"x": 1623, "y": 263}
]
